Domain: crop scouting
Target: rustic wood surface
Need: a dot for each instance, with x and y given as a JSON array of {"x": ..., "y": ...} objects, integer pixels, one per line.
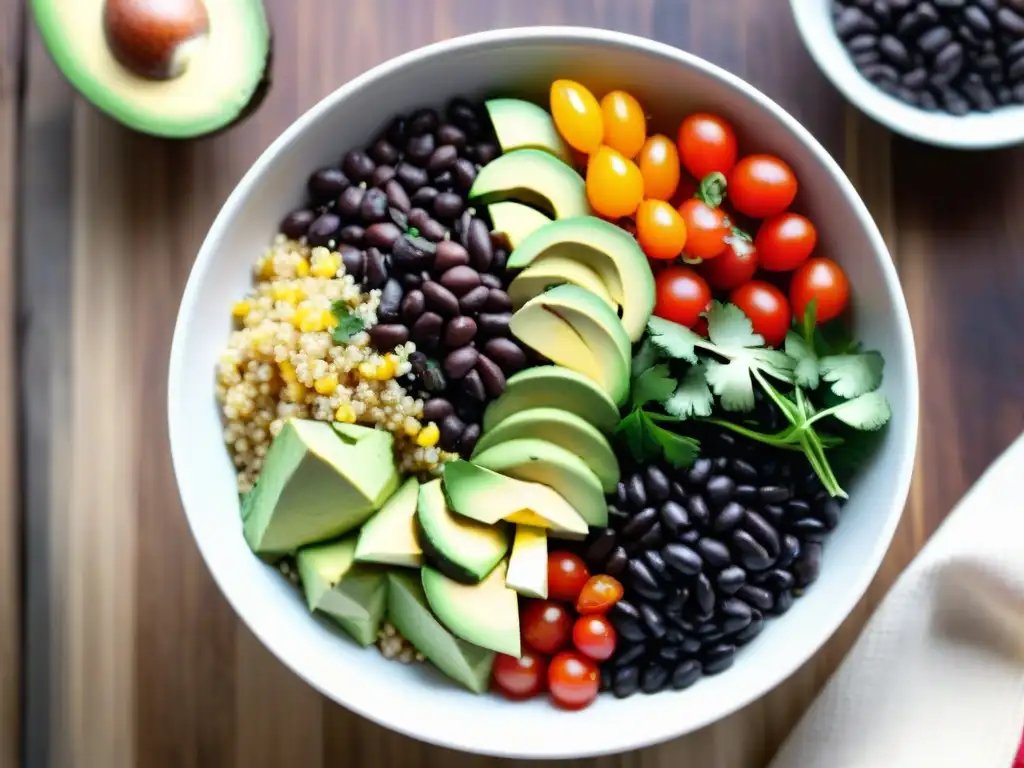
[{"x": 132, "y": 658}]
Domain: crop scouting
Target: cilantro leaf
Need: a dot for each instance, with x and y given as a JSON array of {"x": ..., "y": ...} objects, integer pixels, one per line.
[
  {"x": 870, "y": 411},
  {"x": 673, "y": 339},
  {"x": 349, "y": 323},
  {"x": 806, "y": 373},
  {"x": 680, "y": 451},
  {"x": 634, "y": 429},
  {"x": 646, "y": 441},
  {"x": 653, "y": 384},
  {"x": 692, "y": 397},
  {"x": 645, "y": 358},
  {"x": 853, "y": 375}
]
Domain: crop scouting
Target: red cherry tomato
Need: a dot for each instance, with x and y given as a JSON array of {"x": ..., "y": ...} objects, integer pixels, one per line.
[
  {"x": 785, "y": 241},
  {"x": 734, "y": 267},
  {"x": 599, "y": 594},
  {"x": 567, "y": 573},
  {"x": 659, "y": 165},
  {"x": 681, "y": 295},
  {"x": 573, "y": 680},
  {"x": 625, "y": 125},
  {"x": 767, "y": 308},
  {"x": 761, "y": 186},
  {"x": 546, "y": 626},
  {"x": 577, "y": 115},
  {"x": 707, "y": 144},
  {"x": 706, "y": 229},
  {"x": 824, "y": 281},
  {"x": 594, "y": 636},
  {"x": 660, "y": 229},
  {"x": 520, "y": 678}
]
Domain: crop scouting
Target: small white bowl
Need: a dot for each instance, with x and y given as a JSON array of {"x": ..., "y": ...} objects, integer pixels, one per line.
[
  {"x": 416, "y": 700},
  {"x": 975, "y": 130}
]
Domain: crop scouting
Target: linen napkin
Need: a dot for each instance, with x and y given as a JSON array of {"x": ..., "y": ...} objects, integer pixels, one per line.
[{"x": 937, "y": 677}]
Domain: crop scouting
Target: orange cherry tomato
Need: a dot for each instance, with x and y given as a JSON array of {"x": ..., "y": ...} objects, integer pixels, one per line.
[
  {"x": 567, "y": 573},
  {"x": 546, "y": 625},
  {"x": 767, "y": 308},
  {"x": 594, "y": 637},
  {"x": 734, "y": 266},
  {"x": 707, "y": 144},
  {"x": 823, "y": 281},
  {"x": 706, "y": 229},
  {"x": 573, "y": 680},
  {"x": 785, "y": 242},
  {"x": 520, "y": 678},
  {"x": 614, "y": 184},
  {"x": 577, "y": 115},
  {"x": 660, "y": 229},
  {"x": 625, "y": 125},
  {"x": 599, "y": 594},
  {"x": 659, "y": 165},
  {"x": 761, "y": 186},
  {"x": 681, "y": 295}
]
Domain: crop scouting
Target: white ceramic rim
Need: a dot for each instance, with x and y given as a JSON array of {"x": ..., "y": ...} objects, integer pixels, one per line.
[{"x": 638, "y": 735}]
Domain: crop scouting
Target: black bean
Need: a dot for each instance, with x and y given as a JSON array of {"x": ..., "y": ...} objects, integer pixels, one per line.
[
  {"x": 388, "y": 336},
  {"x": 753, "y": 556},
  {"x": 324, "y": 229},
  {"x": 459, "y": 332},
  {"x": 491, "y": 375},
  {"x": 494, "y": 323},
  {"x": 390, "y": 301},
  {"x": 653, "y": 679},
  {"x": 719, "y": 490},
  {"x": 861, "y": 43},
  {"x": 616, "y": 563},
  {"x": 352, "y": 259},
  {"x": 810, "y": 529},
  {"x": 423, "y": 121},
  {"x": 426, "y": 331},
  {"x": 423, "y": 198},
  {"x": 626, "y": 619},
  {"x": 295, "y": 224},
  {"x": 636, "y": 491},
  {"x": 743, "y": 471},
  {"x": 773, "y": 494},
  {"x": 640, "y": 523},
  {"x": 420, "y": 148},
  {"x": 829, "y": 512},
  {"x": 464, "y": 173},
  {"x": 326, "y": 184},
  {"x": 1016, "y": 70},
  {"x": 382, "y": 174},
  {"x": 353, "y": 234},
  {"x": 350, "y": 200},
  {"x": 384, "y": 152},
  {"x": 440, "y": 299},
  {"x": 894, "y": 50},
  {"x": 1010, "y": 21},
  {"x": 433, "y": 378},
  {"x": 720, "y": 464},
  {"x": 652, "y": 621},
  {"x": 600, "y": 547},
  {"x": 460, "y": 362},
  {"x": 357, "y": 165},
  {"x": 752, "y": 630},
  {"x": 978, "y": 20},
  {"x": 934, "y": 40},
  {"x": 626, "y": 681},
  {"x": 790, "y": 550},
  {"x": 497, "y": 300},
  {"x": 745, "y": 494},
  {"x": 491, "y": 280},
  {"x": 714, "y": 552},
  {"x": 434, "y": 231},
  {"x": 698, "y": 509},
  {"x": 507, "y": 354},
  {"x": 948, "y": 4},
  {"x": 852, "y": 21},
  {"x": 436, "y": 408},
  {"x": 756, "y": 597},
  {"x": 780, "y": 580},
  {"x": 451, "y": 134},
  {"x": 444, "y": 157},
  {"x": 653, "y": 539},
  {"x": 448, "y": 205},
  {"x": 737, "y": 615},
  {"x": 628, "y": 654},
  {"x": 699, "y": 473},
  {"x": 451, "y": 428},
  {"x": 460, "y": 280},
  {"x": 669, "y": 653},
  {"x": 797, "y": 508},
  {"x": 682, "y": 558},
  {"x": 478, "y": 243},
  {"x": 473, "y": 386},
  {"x": 674, "y": 518},
  {"x": 686, "y": 674},
  {"x": 915, "y": 78},
  {"x": 450, "y": 254},
  {"x": 676, "y": 600},
  {"x": 949, "y": 61},
  {"x": 730, "y": 579},
  {"x": 866, "y": 58},
  {"x": 656, "y": 483},
  {"x": 382, "y": 235},
  {"x": 474, "y": 300},
  {"x": 411, "y": 177},
  {"x": 445, "y": 181},
  {"x": 719, "y": 658},
  {"x": 807, "y": 566},
  {"x": 762, "y": 532},
  {"x": 486, "y": 151},
  {"x": 730, "y": 517}
]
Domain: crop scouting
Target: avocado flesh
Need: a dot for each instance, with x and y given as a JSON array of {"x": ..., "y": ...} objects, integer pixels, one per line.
[
  {"x": 566, "y": 430},
  {"x": 553, "y": 386},
  {"x": 225, "y": 75},
  {"x": 484, "y": 614},
  {"x": 608, "y": 250},
  {"x": 318, "y": 482},
  {"x": 522, "y": 124},
  {"x": 409, "y": 612},
  {"x": 354, "y": 595},
  {"x": 556, "y": 270},
  {"x": 515, "y": 220},
  {"x": 389, "y": 537},
  {"x": 583, "y": 309},
  {"x": 528, "y": 563},
  {"x": 535, "y": 177},
  {"x": 539, "y": 461}
]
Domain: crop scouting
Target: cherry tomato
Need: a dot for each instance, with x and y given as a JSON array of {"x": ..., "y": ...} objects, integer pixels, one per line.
[
  {"x": 599, "y": 594},
  {"x": 735, "y": 266},
  {"x": 520, "y": 678},
  {"x": 707, "y": 144},
  {"x": 594, "y": 637},
  {"x": 660, "y": 229},
  {"x": 767, "y": 308},
  {"x": 822, "y": 280},
  {"x": 681, "y": 295},
  {"x": 625, "y": 125},
  {"x": 761, "y": 186},
  {"x": 546, "y": 626},
  {"x": 706, "y": 229},
  {"x": 567, "y": 573},
  {"x": 614, "y": 184},
  {"x": 659, "y": 165},
  {"x": 573, "y": 680},
  {"x": 785, "y": 241},
  {"x": 577, "y": 115}
]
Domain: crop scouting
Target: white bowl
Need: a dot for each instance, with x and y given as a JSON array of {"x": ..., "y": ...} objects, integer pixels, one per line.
[
  {"x": 419, "y": 702},
  {"x": 975, "y": 130}
]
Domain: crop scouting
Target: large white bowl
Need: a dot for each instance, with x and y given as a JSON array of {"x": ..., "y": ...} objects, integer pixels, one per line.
[{"x": 419, "y": 702}]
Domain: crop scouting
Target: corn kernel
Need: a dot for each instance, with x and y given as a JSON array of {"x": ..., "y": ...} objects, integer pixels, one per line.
[
  {"x": 345, "y": 414},
  {"x": 289, "y": 294},
  {"x": 326, "y": 385},
  {"x": 287, "y": 371},
  {"x": 241, "y": 308},
  {"x": 428, "y": 436},
  {"x": 295, "y": 392},
  {"x": 327, "y": 319},
  {"x": 387, "y": 369},
  {"x": 266, "y": 268},
  {"x": 411, "y": 426},
  {"x": 326, "y": 266},
  {"x": 368, "y": 370},
  {"x": 302, "y": 268},
  {"x": 299, "y": 315}
]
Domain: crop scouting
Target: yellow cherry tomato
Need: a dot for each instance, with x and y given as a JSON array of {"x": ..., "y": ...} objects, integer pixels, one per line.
[
  {"x": 577, "y": 115},
  {"x": 625, "y": 126},
  {"x": 659, "y": 165},
  {"x": 660, "y": 229},
  {"x": 614, "y": 184}
]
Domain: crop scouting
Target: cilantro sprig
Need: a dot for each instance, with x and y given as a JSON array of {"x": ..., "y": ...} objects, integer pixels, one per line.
[{"x": 349, "y": 323}]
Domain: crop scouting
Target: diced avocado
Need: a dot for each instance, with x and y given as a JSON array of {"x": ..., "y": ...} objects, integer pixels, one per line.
[
  {"x": 556, "y": 270},
  {"x": 487, "y": 497},
  {"x": 534, "y": 177},
  {"x": 516, "y": 220},
  {"x": 484, "y": 614},
  {"x": 317, "y": 483},
  {"x": 460, "y": 547},
  {"x": 522, "y": 124},
  {"x": 353, "y": 595},
  {"x": 608, "y": 250},
  {"x": 553, "y": 386},
  {"x": 564, "y": 429},
  {"x": 389, "y": 537},
  {"x": 409, "y": 612},
  {"x": 539, "y": 461},
  {"x": 528, "y": 563}
]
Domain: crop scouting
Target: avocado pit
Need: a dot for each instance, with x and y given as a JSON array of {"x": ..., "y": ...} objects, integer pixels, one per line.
[{"x": 155, "y": 39}]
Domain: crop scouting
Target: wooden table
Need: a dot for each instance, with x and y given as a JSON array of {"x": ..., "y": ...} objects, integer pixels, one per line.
[{"x": 130, "y": 656}]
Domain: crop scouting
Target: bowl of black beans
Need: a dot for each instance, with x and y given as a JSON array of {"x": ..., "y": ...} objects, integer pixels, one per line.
[{"x": 943, "y": 72}]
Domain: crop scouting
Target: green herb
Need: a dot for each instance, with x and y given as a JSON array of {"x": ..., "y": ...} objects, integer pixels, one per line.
[
  {"x": 712, "y": 189},
  {"x": 866, "y": 412},
  {"x": 349, "y": 323},
  {"x": 692, "y": 397},
  {"x": 647, "y": 441},
  {"x": 645, "y": 357},
  {"x": 412, "y": 232},
  {"x": 806, "y": 373},
  {"x": 836, "y": 361},
  {"x": 853, "y": 375},
  {"x": 656, "y": 383}
]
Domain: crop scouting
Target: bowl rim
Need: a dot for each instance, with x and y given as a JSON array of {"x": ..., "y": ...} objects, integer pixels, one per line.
[{"x": 628, "y": 739}]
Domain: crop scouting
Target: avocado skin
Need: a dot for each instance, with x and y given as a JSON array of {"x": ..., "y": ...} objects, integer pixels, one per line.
[{"x": 443, "y": 564}]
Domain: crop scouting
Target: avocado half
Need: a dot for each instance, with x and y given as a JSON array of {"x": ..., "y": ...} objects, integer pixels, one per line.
[{"x": 174, "y": 69}]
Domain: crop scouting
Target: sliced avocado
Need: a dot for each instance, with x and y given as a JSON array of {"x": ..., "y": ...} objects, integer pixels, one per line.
[
  {"x": 178, "y": 71},
  {"x": 353, "y": 595},
  {"x": 515, "y": 220},
  {"x": 553, "y": 386},
  {"x": 522, "y": 124},
  {"x": 556, "y": 270},
  {"x": 528, "y": 563},
  {"x": 389, "y": 537},
  {"x": 564, "y": 429},
  {"x": 460, "y": 547},
  {"x": 484, "y": 614},
  {"x": 534, "y": 177},
  {"x": 608, "y": 250},
  {"x": 582, "y": 309},
  {"x": 539, "y": 461},
  {"x": 317, "y": 483},
  {"x": 408, "y": 610},
  {"x": 487, "y": 497}
]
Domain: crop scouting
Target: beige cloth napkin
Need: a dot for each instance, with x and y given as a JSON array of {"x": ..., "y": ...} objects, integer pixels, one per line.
[{"x": 937, "y": 677}]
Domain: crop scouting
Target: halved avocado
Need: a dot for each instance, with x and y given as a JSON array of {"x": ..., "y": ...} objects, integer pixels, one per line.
[
  {"x": 528, "y": 563},
  {"x": 515, "y": 220},
  {"x": 485, "y": 614},
  {"x": 608, "y": 250},
  {"x": 556, "y": 270},
  {"x": 176, "y": 70},
  {"x": 389, "y": 537},
  {"x": 522, "y": 124},
  {"x": 539, "y": 461},
  {"x": 553, "y": 386},
  {"x": 534, "y": 177},
  {"x": 564, "y": 429},
  {"x": 462, "y": 548}
]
